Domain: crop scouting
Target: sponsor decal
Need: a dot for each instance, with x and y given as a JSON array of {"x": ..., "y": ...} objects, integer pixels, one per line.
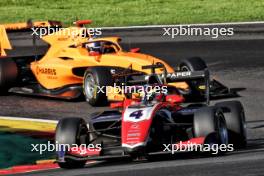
[
  {"x": 178, "y": 74},
  {"x": 134, "y": 126},
  {"x": 46, "y": 71}
]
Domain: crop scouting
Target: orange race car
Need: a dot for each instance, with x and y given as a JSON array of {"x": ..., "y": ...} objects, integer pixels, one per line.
[{"x": 75, "y": 63}]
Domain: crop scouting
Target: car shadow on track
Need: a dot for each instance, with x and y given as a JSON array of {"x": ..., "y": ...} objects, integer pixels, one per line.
[
  {"x": 160, "y": 158},
  {"x": 254, "y": 146}
]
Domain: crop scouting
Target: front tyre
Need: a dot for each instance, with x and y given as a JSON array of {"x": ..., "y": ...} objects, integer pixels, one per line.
[
  {"x": 94, "y": 86},
  {"x": 209, "y": 122},
  {"x": 69, "y": 132},
  {"x": 8, "y": 74},
  {"x": 236, "y": 123}
]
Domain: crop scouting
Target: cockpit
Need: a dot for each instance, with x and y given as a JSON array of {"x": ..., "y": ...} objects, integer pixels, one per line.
[{"x": 101, "y": 47}]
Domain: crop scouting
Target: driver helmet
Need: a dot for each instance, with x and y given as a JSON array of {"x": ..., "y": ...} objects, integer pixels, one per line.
[{"x": 95, "y": 46}]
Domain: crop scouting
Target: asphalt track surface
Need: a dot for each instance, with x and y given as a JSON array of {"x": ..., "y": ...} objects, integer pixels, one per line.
[{"x": 236, "y": 63}]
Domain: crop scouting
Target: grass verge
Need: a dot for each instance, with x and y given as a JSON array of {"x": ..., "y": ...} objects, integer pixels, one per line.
[{"x": 132, "y": 12}]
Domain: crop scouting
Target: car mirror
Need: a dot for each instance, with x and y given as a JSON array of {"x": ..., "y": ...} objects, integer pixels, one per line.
[
  {"x": 94, "y": 53},
  {"x": 135, "y": 50}
]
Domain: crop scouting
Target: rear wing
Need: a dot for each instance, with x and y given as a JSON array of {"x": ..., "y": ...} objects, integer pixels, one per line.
[
  {"x": 180, "y": 76},
  {"x": 17, "y": 39},
  {"x": 4, "y": 41},
  {"x": 189, "y": 76},
  {"x": 10, "y": 27}
]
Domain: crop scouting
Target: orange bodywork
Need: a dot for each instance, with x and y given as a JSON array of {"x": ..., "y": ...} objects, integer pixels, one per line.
[
  {"x": 67, "y": 52},
  {"x": 19, "y": 26},
  {"x": 55, "y": 69},
  {"x": 4, "y": 41}
]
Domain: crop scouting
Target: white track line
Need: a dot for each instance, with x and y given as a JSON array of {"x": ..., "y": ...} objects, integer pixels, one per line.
[
  {"x": 28, "y": 119},
  {"x": 177, "y": 25}
]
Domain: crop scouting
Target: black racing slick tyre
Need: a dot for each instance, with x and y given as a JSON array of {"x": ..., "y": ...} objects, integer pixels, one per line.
[
  {"x": 94, "y": 86},
  {"x": 69, "y": 132},
  {"x": 236, "y": 123},
  {"x": 8, "y": 74},
  {"x": 193, "y": 64},
  {"x": 210, "y": 121}
]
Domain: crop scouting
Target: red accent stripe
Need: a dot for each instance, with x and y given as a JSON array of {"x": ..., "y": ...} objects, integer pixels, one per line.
[
  {"x": 38, "y": 134},
  {"x": 193, "y": 141},
  {"x": 80, "y": 23},
  {"x": 28, "y": 168},
  {"x": 198, "y": 140},
  {"x": 85, "y": 151}
]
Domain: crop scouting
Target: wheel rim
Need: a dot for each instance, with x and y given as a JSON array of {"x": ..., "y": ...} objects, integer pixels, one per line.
[
  {"x": 90, "y": 86},
  {"x": 185, "y": 68},
  {"x": 82, "y": 136},
  {"x": 223, "y": 133},
  {"x": 244, "y": 125}
]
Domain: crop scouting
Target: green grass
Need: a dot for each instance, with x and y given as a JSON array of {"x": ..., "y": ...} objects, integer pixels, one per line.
[
  {"x": 16, "y": 149},
  {"x": 132, "y": 12}
]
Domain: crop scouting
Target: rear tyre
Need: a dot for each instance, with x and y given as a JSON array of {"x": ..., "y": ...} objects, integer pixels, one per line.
[
  {"x": 210, "y": 121},
  {"x": 8, "y": 74},
  {"x": 235, "y": 121},
  {"x": 194, "y": 64},
  {"x": 95, "y": 81},
  {"x": 159, "y": 134},
  {"x": 71, "y": 131}
]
